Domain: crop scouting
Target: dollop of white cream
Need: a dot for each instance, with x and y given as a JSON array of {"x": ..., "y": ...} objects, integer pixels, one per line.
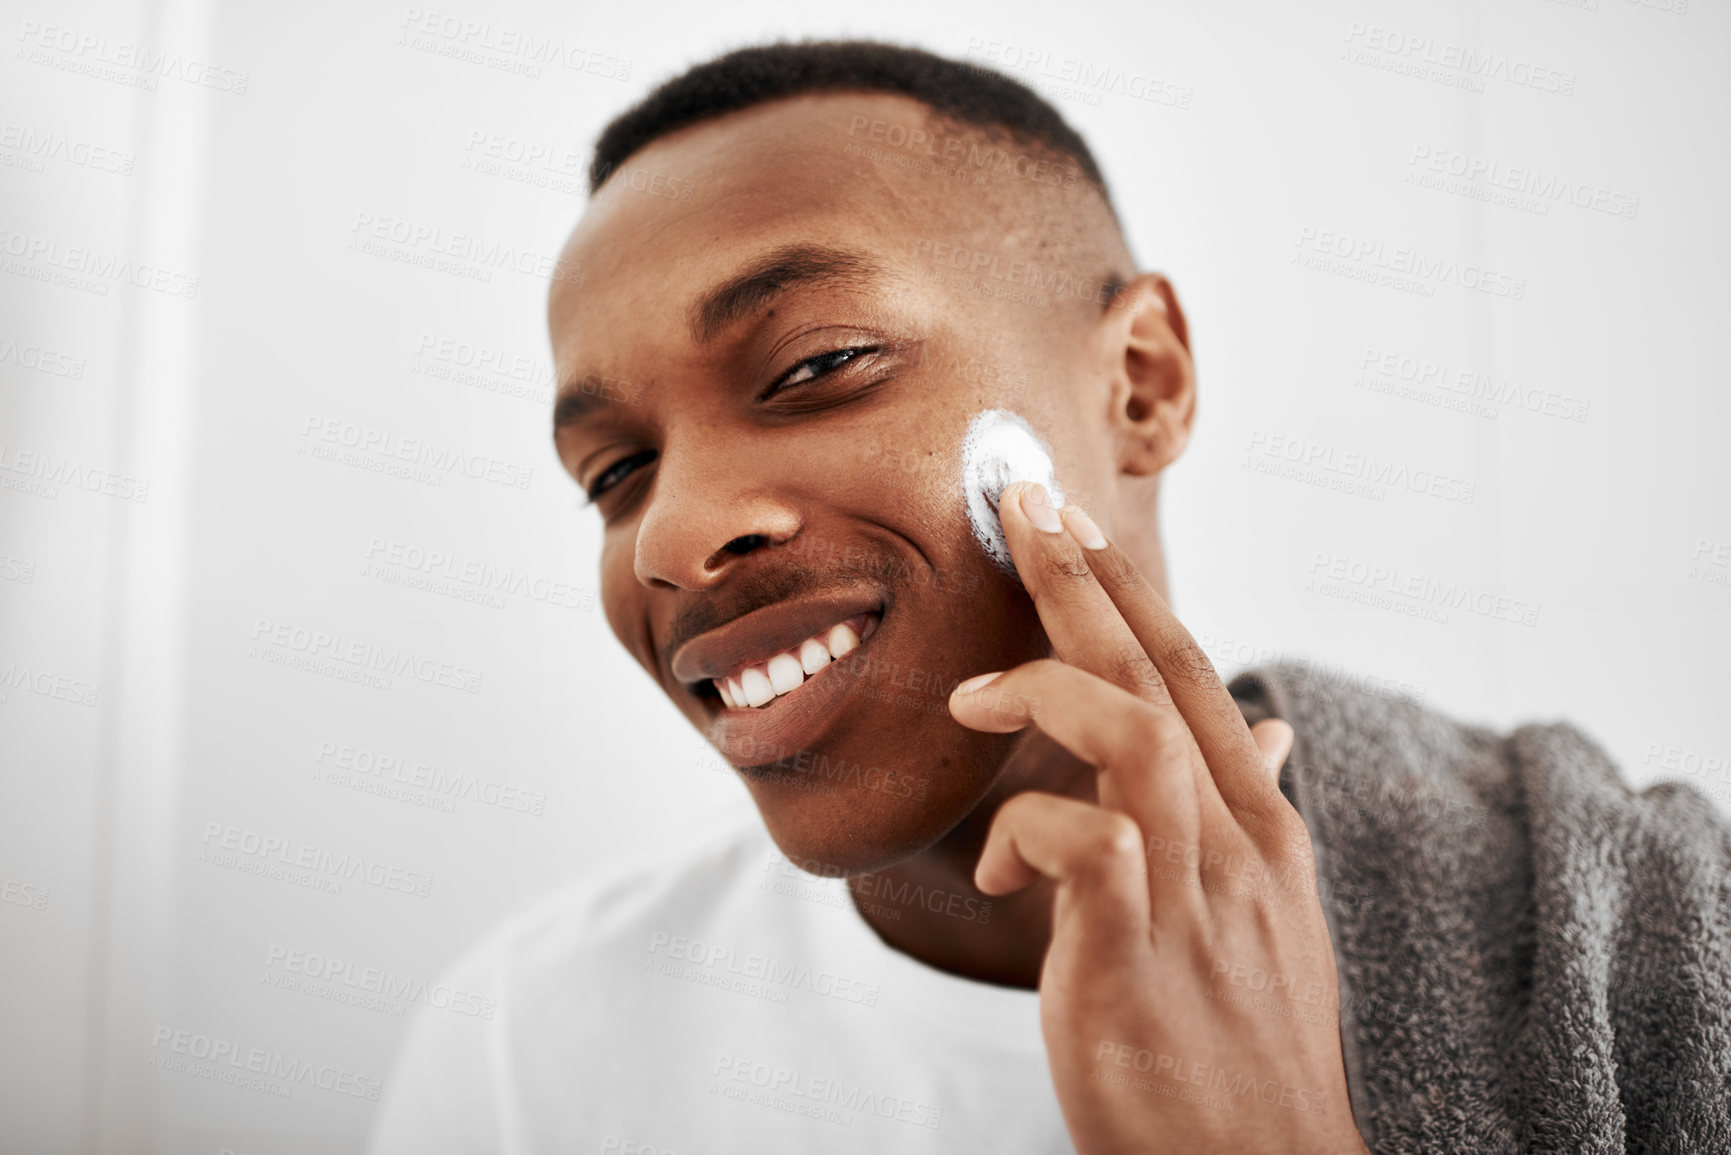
[{"x": 1001, "y": 447}]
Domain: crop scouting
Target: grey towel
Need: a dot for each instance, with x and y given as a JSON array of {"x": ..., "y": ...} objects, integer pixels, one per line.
[{"x": 1532, "y": 956}]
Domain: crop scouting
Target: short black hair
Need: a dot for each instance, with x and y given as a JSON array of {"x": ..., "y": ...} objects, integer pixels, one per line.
[{"x": 966, "y": 93}]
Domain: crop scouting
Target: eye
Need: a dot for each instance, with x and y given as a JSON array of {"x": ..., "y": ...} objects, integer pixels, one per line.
[
  {"x": 814, "y": 367},
  {"x": 599, "y": 487},
  {"x": 808, "y": 370}
]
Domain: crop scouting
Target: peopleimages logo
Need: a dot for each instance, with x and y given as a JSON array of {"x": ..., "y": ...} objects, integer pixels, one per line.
[
  {"x": 1390, "y": 587},
  {"x": 226, "y": 1061},
  {"x": 447, "y": 34},
  {"x": 61, "y": 687},
  {"x": 925, "y": 141},
  {"x": 380, "y": 450},
  {"x": 42, "y": 360},
  {"x": 1072, "y": 77},
  {"x": 88, "y": 269},
  {"x": 872, "y": 886},
  {"x": 1425, "y": 57},
  {"x": 141, "y": 67},
  {"x": 1399, "y": 266},
  {"x": 309, "y": 646},
  {"x": 1186, "y": 1073},
  {"x": 225, "y": 842},
  {"x": 1424, "y": 378},
  {"x": 36, "y": 147},
  {"x": 463, "y": 254},
  {"x": 979, "y": 268},
  {"x": 733, "y": 962},
  {"x": 799, "y": 1093},
  {"x": 372, "y": 771},
  {"x": 1353, "y": 471},
  {"x": 43, "y": 473},
  {"x": 477, "y": 365},
  {"x": 1526, "y": 180},
  {"x": 390, "y": 560},
  {"x": 340, "y": 980},
  {"x": 23, "y": 894}
]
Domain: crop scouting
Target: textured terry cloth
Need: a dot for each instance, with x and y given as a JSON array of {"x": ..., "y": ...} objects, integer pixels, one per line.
[{"x": 1532, "y": 957}]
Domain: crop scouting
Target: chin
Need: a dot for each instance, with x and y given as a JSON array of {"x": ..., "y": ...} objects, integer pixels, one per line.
[{"x": 833, "y": 813}]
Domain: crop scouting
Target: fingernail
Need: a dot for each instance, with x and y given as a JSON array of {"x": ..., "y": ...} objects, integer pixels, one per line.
[
  {"x": 1273, "y": 738},
  {"x": 1037, "y": 505},
  {"x": 1083, "y": 529},
  {"x": 975, "y": 682}
]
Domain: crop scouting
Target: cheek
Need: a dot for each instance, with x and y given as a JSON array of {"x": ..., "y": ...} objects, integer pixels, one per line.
[
  {"x": 618, "y": 596},
  {"x": 1001, "y": 447}
]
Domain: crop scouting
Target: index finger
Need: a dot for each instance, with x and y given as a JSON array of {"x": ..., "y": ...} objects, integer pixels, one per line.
[
  {"x": 1191, "y": 679},
  {"x": 1088, "y": 632},
  {"x": 1084, "y": 627}
]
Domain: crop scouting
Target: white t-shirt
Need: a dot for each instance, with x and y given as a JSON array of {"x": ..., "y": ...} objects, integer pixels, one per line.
[{"x": 729, "y": 1004}]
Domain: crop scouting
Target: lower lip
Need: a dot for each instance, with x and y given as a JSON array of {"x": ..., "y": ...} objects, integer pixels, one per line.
[{"x": 790, "y": 721}]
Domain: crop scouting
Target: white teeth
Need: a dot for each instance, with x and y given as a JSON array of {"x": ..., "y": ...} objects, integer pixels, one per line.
[
  {"x": 755, "y": 685},
  {"x": 785, "y": 673},
  {"x": 758, "y": 688},
  {"x": 842, "y": 639},
  {"x": 813, "y": 655}
]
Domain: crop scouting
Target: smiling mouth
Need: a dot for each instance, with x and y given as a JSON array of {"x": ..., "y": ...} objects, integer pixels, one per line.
[{"x": 762, "y": 684}]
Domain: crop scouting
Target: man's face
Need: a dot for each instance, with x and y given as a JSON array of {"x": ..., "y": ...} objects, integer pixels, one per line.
[{"x": 776, "y": 336}]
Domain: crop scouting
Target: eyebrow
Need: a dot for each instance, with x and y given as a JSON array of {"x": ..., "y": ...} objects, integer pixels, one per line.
[
  {"x": 748, "y": 291},
  {"x": 737, "y": 298}
]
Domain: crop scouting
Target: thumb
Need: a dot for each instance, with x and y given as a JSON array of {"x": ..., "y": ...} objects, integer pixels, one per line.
[{"x": 1273, "y": 738}]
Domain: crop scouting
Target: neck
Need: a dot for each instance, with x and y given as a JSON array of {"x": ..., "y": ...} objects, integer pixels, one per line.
[{"x": 954, "y": 926}]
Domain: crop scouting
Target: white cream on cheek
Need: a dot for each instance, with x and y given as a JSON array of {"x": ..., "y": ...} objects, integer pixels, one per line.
[{"x": 1001, "y": 447}]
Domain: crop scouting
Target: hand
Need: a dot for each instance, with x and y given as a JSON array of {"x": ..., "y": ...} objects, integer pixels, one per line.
[{"x": 1188, "y": 999}]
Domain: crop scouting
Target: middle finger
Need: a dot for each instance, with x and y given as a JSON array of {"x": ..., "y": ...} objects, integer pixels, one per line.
[
  {"x": 1085, "y": 627},
  {"x": 1088, "y": 631}
]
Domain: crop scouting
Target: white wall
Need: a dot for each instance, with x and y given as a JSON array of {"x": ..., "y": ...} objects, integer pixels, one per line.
[{"x": 1278, "y": 132}]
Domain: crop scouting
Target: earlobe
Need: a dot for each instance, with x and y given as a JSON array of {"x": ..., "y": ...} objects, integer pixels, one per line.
[{"x": 1154, "y": 382}]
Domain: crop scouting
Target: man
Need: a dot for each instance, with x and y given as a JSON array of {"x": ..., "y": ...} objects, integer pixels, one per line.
[{"x": 1026, "y": 880}]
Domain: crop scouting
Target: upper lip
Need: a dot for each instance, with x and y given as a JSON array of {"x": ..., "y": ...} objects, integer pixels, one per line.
[{"x": 758, "y": 636}]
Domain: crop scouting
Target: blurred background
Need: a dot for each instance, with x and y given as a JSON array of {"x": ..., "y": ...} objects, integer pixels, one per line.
[{"x": 1455, "y": 275}]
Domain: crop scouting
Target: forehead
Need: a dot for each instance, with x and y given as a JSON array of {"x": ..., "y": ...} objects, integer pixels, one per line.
[{"x": 688, "y": 209}]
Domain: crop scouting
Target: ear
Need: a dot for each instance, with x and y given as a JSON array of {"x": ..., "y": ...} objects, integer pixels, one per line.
[{"x": 1153, "y": 396}]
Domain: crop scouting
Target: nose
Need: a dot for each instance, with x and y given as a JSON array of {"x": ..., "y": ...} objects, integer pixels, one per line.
[{"x": 701, "y": 519}]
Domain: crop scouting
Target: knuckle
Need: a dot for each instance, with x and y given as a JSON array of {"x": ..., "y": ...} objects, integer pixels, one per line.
[
  {"x": 1119, "y": 570},
  {"x": 1112, "y": 856},
  {"x": 1011, "y": 814},
  {"x": 1132, "y": 668},
  {"x": 1114, "y": 846},
  {"x": 1159, "y": 735},
  {"x": 1290, "y": 845},
  {"x": 1064, "y": 565},
  {"x": 1190, "y": 661},
  {"x": 1294, "y": 840}
]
